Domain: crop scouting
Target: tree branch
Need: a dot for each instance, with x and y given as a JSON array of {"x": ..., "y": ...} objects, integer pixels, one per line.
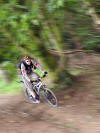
[{"x": 55, "y": 52}]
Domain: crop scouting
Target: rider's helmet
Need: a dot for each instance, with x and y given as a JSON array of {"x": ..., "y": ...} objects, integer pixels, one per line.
[{"x": 26, "y": 59}]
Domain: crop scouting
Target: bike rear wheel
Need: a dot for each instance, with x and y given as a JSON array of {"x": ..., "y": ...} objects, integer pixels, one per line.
[{"x": 50, "y": 97}]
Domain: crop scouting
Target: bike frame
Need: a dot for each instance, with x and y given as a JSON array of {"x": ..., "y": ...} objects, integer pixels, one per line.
[{"x": 37, "y": 87}]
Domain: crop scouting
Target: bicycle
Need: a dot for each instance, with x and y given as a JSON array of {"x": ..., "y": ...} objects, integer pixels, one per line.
[{"x": 47, "y": 93}]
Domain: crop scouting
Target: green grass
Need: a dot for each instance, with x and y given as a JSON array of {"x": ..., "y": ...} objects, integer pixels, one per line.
[{"x": 9, "y": 88}]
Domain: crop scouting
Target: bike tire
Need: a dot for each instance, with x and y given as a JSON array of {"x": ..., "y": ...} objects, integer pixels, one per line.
[{"x": 48, "y": 94}]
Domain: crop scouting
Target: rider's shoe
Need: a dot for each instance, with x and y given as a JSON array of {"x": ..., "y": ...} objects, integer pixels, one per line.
[
  {"x": 36, "y": 101},
  {"x": 37, "y": 97}
]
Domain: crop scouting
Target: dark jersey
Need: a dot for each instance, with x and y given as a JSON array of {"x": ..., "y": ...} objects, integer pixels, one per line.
[{"x": 28, "y": 68}]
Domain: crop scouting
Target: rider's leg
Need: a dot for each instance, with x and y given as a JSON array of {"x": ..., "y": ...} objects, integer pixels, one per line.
[
  {"x": 35, "y": 76},
  {"x": 28, "y": 85}
]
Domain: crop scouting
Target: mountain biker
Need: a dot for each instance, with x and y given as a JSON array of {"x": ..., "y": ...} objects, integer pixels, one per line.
[{"x": 27, "y": 67}]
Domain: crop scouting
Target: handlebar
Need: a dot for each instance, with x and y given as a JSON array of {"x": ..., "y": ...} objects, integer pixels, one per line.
[{"x": 35, "y": 80}]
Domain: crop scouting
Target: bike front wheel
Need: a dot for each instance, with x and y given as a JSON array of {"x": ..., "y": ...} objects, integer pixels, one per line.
[{"x": 50, "y": 97}]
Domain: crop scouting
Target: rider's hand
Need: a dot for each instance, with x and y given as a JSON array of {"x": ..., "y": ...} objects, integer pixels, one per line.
[
  {"x": 45, "y": 73},
  {"x": 31, "y": 81}
]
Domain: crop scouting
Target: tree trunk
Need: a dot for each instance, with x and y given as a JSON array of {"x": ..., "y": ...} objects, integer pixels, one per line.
[{"x": 61, "y": 74}]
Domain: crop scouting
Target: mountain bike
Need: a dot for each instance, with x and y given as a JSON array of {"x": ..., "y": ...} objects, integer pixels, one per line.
[{"x": 42, "y": 91}]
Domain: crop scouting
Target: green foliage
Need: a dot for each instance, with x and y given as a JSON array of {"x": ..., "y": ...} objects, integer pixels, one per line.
[
  {"x": 10, "y": 70},
  {"x": 35, "y": 26},
  {"x": 19, "y": 19}
]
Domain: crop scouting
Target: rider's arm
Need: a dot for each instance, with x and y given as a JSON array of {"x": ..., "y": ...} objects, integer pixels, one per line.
[
  {"x": 24, "y": 72},
  {"x": 37, "y": 65}
]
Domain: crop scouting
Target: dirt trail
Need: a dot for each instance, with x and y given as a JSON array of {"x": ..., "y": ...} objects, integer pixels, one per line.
[{"x": 78, "y": 111}]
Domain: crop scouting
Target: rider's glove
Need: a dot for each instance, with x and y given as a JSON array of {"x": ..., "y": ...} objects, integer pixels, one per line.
[
  {"x": 31, "y": 81},
  {"x": 45, "y": 73}
]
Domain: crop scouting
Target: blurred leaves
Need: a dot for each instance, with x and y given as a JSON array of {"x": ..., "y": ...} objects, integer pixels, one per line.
[
  {"x": 34, "y": 27},
  {"x": 9, "y": 69}
]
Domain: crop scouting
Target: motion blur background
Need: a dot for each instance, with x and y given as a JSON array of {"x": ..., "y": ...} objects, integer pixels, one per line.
[
  {"x": 45, "y": 30},
  {"x": 64, "y": 37}
]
